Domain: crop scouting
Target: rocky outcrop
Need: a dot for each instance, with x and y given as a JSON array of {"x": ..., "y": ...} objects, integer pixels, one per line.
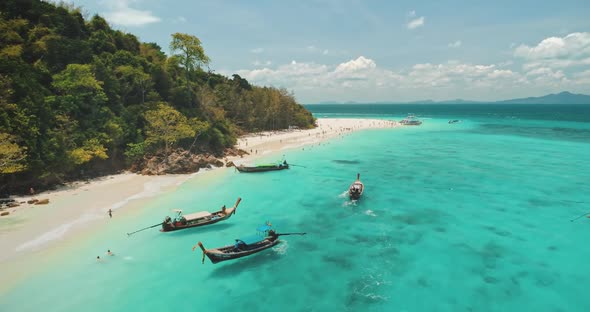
[
  {"x": 4, "y": 213},
  {"x": 230, "y": 164},
  {"x": 234, "y": 152},
  {"x": 179, "y": 161},
  {"x": 42, "y": 202}
]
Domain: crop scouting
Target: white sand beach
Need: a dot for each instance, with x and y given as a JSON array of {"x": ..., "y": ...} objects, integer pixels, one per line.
[
  {"x": 76, "y": 207},
  {"x": 271, "y": 142}
]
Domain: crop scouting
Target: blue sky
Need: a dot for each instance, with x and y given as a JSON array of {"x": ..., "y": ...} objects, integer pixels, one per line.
[{"x": 367, "y": 51}]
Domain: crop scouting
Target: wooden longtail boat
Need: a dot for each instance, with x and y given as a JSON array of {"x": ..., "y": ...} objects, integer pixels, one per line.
[
  {"x": 356, "y": 189},
  {"x": 198, "y": 218},
  {"x": 244, "y": 247},
  {"x": 263, "y": 168}
]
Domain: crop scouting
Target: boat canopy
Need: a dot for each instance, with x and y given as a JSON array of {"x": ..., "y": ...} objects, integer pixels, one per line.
[
  {"x": 197, "y": 215},
  {"x": 263, "y": 228},
  {"x": 252, "y": 239}
]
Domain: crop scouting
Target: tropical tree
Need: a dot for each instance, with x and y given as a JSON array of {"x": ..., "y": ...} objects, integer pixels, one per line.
[
  {"x": 167, "y": 125},
  {"x": 11, "y": 155},
  {"x": 132, "y": 79},
  {"x": 191, "y": 54}
]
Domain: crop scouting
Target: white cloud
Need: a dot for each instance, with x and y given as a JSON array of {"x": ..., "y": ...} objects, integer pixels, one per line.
[
  {"x": 557, "y": 52},
  {"x": 547, "y": 76},
  {"x": 120, "y": 13},
  {"x": 554, "y": 47},
  {"x": 501, "y": 74},
  {"x": 363, "y": 72},
  {"x": 539, "y": 71},
  {"x": 455, "y": 44},
  {"x": 362, "y": 77},
  {"x": 312, "y": 75},
  {"x": 314, "y": 49},
  {"x": 582, "y": 78},
  {"x": 257, "y": 50},
  {"x": 361, "y": 63},
  {"x": 455, "y": 74},
  {"x": 261, "y": 63},
  {"x": 415, "y": 23},
  {"x": 557, "y": 63}
]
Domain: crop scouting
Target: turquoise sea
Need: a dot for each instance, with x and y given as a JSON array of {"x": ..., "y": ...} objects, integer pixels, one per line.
[{"x": 471, "y": 216}]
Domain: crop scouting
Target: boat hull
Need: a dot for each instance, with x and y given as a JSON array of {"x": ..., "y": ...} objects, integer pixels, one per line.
[
  {"x": 354, "y": 196},
  {"x": 411, "y": 123},
  {"x": 355, "y": 191},
  {"x": 169, "y": 227},
  {"x": 229, "y": 253},
  {"x": 211, "y": 218},
  {"x": 261, "y": 169}
]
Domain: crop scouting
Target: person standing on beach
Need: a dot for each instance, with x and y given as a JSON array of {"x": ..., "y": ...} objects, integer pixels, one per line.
[{"x": 110, "y": 213}]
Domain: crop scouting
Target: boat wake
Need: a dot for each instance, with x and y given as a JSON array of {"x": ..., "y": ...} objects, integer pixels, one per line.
[
  {"x": 349, "y": 203},
  {"x": 370, "y": 212},
  {"x": 370, "y": 286},
  {"x": 281, "y": 249}
]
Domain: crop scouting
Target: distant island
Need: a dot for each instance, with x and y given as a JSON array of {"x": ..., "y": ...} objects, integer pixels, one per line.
[{"x": 559, "y": 98}]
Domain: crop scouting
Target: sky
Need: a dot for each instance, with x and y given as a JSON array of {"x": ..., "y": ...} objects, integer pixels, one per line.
[{"x": 377, "y": 51}]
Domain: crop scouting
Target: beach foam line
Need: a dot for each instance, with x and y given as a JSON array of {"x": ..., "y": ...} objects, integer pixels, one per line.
[
  {"x": 150, "y": 189},
  {"x": 56, "y": 233}
]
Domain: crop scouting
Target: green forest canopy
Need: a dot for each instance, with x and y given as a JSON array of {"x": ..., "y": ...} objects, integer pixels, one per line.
[{"x": 77, "y": 95}]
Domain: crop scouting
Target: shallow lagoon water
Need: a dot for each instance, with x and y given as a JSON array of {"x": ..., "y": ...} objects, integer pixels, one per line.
[{"x": 473, "y": 216}]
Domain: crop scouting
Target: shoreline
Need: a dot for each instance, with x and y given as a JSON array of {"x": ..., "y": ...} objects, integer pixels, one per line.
[
  {"x": 269, "y": 142},
  {"x": 75, "y": 210}
]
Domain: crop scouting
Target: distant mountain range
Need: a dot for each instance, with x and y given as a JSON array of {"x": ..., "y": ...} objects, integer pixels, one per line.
[{"x": 559, "y": 98}]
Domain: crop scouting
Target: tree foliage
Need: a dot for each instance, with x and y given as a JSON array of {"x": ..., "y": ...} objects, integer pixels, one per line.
[
  {"x": 78, "y": 96},
  {"x": 166, "y": 125},
  {"x": 11, "y": 155},
  {"x": 190, "y": 54}
]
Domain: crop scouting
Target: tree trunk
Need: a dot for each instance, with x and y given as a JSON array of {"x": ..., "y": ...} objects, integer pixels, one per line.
[
  {"x": 194, "y": 141},
  {"x": 188, "y": 88}
]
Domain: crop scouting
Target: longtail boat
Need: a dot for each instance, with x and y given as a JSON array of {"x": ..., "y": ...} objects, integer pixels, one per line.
[
  {"x": 356, "y": 189},
  {"x": 262, "y": 168},
  {"x": 198, "y": 218},
  {"x": 243, "y": 247}
]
